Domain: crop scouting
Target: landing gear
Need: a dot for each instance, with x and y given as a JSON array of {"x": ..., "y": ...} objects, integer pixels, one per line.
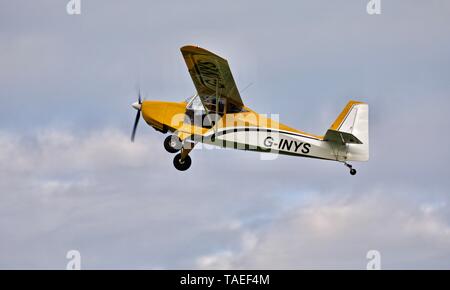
[
  {"x": 172, "y": 144},
  {"x": 181, "y": 163},
  {"x": 352, "y": 170}
]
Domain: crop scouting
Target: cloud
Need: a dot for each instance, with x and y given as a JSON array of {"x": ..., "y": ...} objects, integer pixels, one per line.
[
  {"x": 124, "y": 206},
  {"x": 108, "y": 197},
  {"x": 337, "y": 232}
]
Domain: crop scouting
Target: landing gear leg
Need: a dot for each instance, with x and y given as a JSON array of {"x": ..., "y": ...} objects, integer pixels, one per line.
[
  {"x": 352, "y": 170},
  {"x": 182, "y": 160}
]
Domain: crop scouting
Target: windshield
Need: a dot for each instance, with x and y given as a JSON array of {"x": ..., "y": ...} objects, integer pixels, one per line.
[{"x": 195, "y": 104}]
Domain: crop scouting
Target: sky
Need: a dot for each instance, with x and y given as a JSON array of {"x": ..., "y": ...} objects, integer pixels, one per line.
[{"x": 71, "y": 179}]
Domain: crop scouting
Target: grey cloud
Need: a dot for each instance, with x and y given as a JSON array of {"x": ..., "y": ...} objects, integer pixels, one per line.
[
  {"x": 337, "y": 232},
  {"x": 105, "y": 196},
  {"x": 124, "y": 206}
]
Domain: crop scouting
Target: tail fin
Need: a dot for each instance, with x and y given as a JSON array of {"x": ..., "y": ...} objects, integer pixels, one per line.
[{"x": 352, "y": 128}]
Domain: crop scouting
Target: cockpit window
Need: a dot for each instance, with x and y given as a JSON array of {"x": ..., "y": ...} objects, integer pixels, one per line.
[
  {"x": 195, "y": 104},
  {"x": 199, "y": 115},
  {"x": 197, "y": 109}
]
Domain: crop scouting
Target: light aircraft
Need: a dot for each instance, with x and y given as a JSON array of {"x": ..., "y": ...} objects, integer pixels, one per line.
[{"x": 216, "y": 115}]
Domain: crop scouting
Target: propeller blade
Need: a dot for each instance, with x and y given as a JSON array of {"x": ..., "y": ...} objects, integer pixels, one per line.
[
  {"x": 136, "y": 122},
  {"x": 139, "y": 96}
]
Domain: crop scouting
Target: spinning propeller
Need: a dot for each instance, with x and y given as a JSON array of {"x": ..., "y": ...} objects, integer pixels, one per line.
[{"x": 137, "y": 105}]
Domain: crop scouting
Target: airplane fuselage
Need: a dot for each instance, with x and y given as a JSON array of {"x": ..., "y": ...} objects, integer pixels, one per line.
[{"x": 245, "y": 130}]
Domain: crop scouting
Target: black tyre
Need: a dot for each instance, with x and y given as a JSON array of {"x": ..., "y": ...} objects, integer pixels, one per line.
[
  {"x": 172, "y": 144},
  {"x": 182, "y": 165},
  {"x": 352, "y": 171}
]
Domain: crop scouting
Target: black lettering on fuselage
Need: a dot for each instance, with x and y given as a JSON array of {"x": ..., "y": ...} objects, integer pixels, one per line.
[
  {"x": 268, "y": 142},
  {"x": 306, "y": 147},
  {"x": 287, "y": 145},
  {"x": 294, "y": 145},
  {"x": 297, "y": 145}
]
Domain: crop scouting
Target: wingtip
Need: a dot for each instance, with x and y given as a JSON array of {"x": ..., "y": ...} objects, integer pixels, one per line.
[
  {"x": 189, "y": 47},
  {"x": 197, "y": 49}
]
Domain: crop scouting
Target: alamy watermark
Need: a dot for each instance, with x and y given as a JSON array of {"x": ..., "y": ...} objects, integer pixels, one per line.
[
  {"x": 73, "y": 7},
  {"x": 74, "y": 262},
  {"x": 254, "y": 132},
  {"x": 374, "y": 7},
  {"x": 374, "y": 260}
]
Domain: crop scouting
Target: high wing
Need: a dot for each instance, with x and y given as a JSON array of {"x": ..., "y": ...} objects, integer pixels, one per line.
[{"x": 211, "y": 75}]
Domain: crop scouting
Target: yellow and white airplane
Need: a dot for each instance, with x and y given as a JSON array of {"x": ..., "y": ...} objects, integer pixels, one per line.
[{"x": 216, "y": 115}]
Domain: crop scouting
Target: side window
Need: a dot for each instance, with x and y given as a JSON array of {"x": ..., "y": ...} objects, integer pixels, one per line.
[
  {"x": 196, "y": 113},
  {"x": 195, "y": 104}
]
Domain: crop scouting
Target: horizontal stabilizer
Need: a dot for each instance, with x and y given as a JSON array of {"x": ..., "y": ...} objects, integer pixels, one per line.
[{"x": 341, "y": 137}]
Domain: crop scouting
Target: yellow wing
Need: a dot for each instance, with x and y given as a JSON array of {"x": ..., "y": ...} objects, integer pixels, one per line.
[{"x": 211, "y": 74}]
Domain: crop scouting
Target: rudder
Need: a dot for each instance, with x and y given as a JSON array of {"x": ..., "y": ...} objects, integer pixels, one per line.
[{"x": 351, "y": 128}]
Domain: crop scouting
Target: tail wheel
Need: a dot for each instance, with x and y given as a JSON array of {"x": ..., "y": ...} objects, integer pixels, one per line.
[
  {"x": 172, "y": 144},
  {"x": 182, "y": 164},
  {"x": 352, "y": 170}
]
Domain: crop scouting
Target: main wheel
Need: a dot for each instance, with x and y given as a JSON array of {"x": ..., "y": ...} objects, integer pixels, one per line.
[
  {"x": 172, "y": 144},
  {"x": 182, "y": 165},
  {"x": 352, "y": 171}
]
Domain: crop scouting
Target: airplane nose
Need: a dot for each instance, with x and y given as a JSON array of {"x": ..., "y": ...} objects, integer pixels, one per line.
[{"x": 136, "y": 105}]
